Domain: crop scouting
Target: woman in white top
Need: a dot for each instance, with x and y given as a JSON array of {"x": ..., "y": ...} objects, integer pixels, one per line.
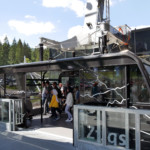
[{"x": 69, "y": 104}]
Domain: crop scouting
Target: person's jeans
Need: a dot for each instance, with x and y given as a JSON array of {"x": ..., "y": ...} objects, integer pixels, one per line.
[
  {"x": 67, "y": 111},
  {"x": 43, "y": 100},
  {"x": 53, "y": 109},
  {"x": 45, "y": 105}
]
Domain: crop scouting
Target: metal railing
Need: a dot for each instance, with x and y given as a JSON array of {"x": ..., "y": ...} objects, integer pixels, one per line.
[
  {"x": 111, "y": 128},
  {"x": 11, "y": 114}
]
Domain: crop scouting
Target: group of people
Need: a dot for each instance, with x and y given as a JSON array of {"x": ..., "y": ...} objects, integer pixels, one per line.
[{"x": 54, "y": 98}]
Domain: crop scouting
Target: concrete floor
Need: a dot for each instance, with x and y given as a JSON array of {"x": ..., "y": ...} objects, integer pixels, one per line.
[{"x": 50, "y": 135}]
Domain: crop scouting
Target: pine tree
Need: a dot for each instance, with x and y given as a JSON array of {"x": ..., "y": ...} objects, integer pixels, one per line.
[
  {"x": 1, "y": 49},
  {"x": 12, "y": 52},
  {"x": 35, "y": 55},
  {"x": 27, "y": 51},
  {"x": 46, "y": 54},
  {"x": 5, "y": 52},
  {"x": 19, "y": 52}
]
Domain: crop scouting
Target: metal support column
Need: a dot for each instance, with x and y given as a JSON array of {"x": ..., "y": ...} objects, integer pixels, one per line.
[
  {"x": 4, "y": 85},
  {"x": 41, "y": 101},
  {"x": 137, "y": 131},
  {"x": 41, "y": 52},
  {"x": 127, "y": 83}
]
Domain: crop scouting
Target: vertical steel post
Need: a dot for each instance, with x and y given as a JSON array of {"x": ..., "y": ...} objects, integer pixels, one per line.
[
  {"x": 98, "y": 127},
  {"x": 41, "y": 51},
  {"x": 4, "y": 85},
  {"x": 10, "y": 127},
  {"x": 127, "y": 129},
  {"x": 135, "y": 40},
  {"x": 104, "y": 128},
  {"x": 50, "y": 54},
  {"x": 127, "y": 83},
  {"x": 41, "y": 101},
  {"x": 137, "y": 132},
  {"x": 14, "y": 121}
]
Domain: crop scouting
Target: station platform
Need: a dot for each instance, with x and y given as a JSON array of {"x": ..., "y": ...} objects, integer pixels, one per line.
[{"x": 49, "y": 135}]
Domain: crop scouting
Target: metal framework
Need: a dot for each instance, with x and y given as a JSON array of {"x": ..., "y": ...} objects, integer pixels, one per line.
[
  {"x": 124, "y": 58},
  {"x": 77, "y": 63},
  {"x": 11, "y": 114},
  {"x": 102, "y": 125}
]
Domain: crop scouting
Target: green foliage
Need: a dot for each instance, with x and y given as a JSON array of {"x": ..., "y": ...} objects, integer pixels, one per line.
[
  {"x": 35, "y": 55},
  {"x": 46, "y": 54},
  {"x": 1, "y": 52},
  {"x": 4, "y": 52},
  {"x": 19, "y": 52},
  {"x": 27, "y": 51},
  {"x": 14, "y": 53}
]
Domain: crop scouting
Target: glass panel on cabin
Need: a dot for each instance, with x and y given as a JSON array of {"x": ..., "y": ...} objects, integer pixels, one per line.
[
  {"x": 88, "y": 125},
  {"x": 115, "y": 129},
  {"x": 148, "y": 69},
  {"x": 11, "y": 110},
  {"x": 11, "y": 86},
  {"x": 1, "y": 85},
  {"x": 5, "y": 111},
  {"x": 142, "y": 41},
  {"x": 73, "y": 81},
  {"x": 132, "y": 131},
  {"x": 103, "y": 86},
  {"x": 34, "y": 90},
  {"x": 85, "y": 52},
  {"x": 15, "y": 86},
  {"x": 145, "y": 131},
  {"x": 0, "y": 110},
  {"x": 139, "y": 92}
]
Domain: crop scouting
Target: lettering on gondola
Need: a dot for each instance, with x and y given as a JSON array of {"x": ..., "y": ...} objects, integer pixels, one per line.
[{"x": 114, "y": 139}]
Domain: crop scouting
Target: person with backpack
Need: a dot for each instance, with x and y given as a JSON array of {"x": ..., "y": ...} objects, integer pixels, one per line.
[
  {"x": 54, "y": 104},
  {"x": 48, "y": 88},
  {"x": 59, "y": 95}
]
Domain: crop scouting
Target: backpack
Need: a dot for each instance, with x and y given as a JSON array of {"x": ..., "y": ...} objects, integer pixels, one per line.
[{"x": 59, "y": 93}]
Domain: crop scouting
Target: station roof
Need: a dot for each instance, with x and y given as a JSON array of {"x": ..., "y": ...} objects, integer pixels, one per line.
[{"x": 74, "y": 63}]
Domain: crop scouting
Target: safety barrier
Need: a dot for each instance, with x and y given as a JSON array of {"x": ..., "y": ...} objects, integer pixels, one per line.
[
  {"x": 111, "y": 128},
  {"x": 11, "y": 114}
]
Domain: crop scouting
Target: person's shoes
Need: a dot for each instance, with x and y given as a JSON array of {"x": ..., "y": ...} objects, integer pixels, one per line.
[
  {"x": 50, "y": 112},
  {"x": 58, "y": 118},
  {"x": 51, "y": 116},
  {"x": 67, "y": 120},
  {"x": 70, "y": 119},
  {"x": 55, "y": 119},
  {"x": 60, "y": 112}
]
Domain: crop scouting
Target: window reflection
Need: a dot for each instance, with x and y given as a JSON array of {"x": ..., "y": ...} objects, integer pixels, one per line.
[
  {"x": 0, "y": 110},
  {"x": 1, "y": 85},
  {"x": 139, "y": 92},
  {"x": 98, "y": 85},
  {"x": 116, "y": 131},
  {"x": 132, "y": 136},
  {"x": 106, "y": 86},
  {"x": 5, "y": 112},
  {"x": 88, "y": 125},
  {"x": 145, "y": 131}
]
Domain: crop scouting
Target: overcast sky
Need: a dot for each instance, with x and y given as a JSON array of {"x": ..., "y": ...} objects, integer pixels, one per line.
[{"x": 31, "y": 19}]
